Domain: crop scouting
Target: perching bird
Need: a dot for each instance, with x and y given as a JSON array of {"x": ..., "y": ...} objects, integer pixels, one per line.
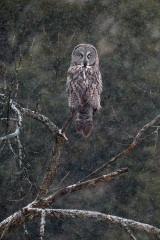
[{"x": 84, "y": 87}]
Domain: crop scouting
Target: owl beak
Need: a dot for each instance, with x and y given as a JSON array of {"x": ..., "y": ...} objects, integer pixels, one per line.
[{"x": 85, "y": 63}]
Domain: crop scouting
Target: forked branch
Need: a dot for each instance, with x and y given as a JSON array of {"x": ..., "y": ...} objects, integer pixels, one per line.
[{"x": 18, "y": 218}]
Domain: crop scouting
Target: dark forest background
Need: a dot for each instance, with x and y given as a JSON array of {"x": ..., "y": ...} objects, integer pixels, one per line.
[{"x": 36, "y": 41}]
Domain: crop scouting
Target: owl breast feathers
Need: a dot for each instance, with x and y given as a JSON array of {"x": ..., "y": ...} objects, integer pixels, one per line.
[{"x": 84, "y": 87}]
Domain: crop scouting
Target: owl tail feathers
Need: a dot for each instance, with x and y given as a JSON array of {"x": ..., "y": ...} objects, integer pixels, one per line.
[
  {"x": 84, "y": 127},
  {"x": 84, "y": 123}
]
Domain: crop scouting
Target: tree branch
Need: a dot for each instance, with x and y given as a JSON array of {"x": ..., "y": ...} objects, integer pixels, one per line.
[
  {"x": 18, "y": 218},
  {"x": 41, "y": 118},
  {"x": 19, "y": 123},
  {"x": 63, "y": 213},
  {"x": 127, "y": 150},
  {"x": 59, "y": 136},
  {"x": 79, "y": 186},
  {"x": 52, "y": 166},
  {"x": 28, "y": 213},
  {"x": 35, "y": 115},
  {"x": 42, "y": 224}
]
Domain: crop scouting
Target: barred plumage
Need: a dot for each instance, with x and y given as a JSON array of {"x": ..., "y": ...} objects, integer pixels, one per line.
[{"x": 84, "y": 86}]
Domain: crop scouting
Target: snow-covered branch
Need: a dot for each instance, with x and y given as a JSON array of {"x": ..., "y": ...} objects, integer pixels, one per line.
[
  {"x": 30, "y": 213},
  {"x": 63, "y": 213}
]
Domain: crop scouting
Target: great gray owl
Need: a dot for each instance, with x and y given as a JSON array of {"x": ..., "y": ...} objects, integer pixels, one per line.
[{"x": 84, "y": 86}]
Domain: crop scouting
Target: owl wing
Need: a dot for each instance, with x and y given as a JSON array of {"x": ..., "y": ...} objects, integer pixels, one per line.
[
  {"x": 73, "y": 89},
  {"x": 95, "y": 89}
]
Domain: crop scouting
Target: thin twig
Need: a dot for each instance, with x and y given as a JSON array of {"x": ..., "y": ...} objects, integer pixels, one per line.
[
  {"x": 11, "y": 148},
  {"x": 68, "y": 45},
  {"x": 65, "y": 126},
  {"x": 8, "y": 110},
  {"x": 51, "y": 47},
  {"x": 5, "y": 77},
  {"x": 17, "y": 68},
  {"x": 26, "y": 231}
]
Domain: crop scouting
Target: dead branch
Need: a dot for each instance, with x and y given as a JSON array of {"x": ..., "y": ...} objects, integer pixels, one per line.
[
  {"x": 52, "y": 166},
  {"x": 35, "y": 115},
  {"x": 17, "y": 68},
  {"x": 42, "y": 224},
  {"x": 57, "y": 149},
  {"x": 36, "y": 208},
  {"x": 63, "y": 213},
  {"x": 133, "y": 145},
  {"x": 8, "y": 109},
  {"x": 18, "y": 218},
  {"x": 82, "y": 185},
  {"x": 19, "y": 123},
  {"x": 29, "y": 213},
  {"x": 41, "y": 118}
]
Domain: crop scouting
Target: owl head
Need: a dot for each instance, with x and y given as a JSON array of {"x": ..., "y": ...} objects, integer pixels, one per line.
[{"x": 84, "y": 55}]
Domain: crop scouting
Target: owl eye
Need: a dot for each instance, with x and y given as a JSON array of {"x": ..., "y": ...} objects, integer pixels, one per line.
[
  {"x": 89, "y": 55},
  {"x": 81, "y": 55}
]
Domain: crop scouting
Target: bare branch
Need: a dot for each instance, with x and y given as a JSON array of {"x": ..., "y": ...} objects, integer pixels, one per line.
[
  {"x": 5, "y": 76},
  {"x": 82, "y": 185},
  {"x": 20, "y": 217},
  {"x": 50, "y": 44},
  {"x": 58, "y": 135},
  {"x": 40, "y": 117},
  {"x": 56, "y": 152},
  {"x": 65, "y": 126},
  {"x": 28, "y": 213},
  {"x": 33, "y": 209},
  {"x": 35, "y": 115},
  {"x": 19, "y": 150},
  {"x": 17, "y": 68},
  {"x": 11, "y": 148},
  {"x": 19, "y": 123},
  {"x": 8, "y": 110},
  {"x": 42, "y": 224},
  {"x": 62, "y": 213},
  {"x": 11, "y": 135},
  {"x": 26, "y": 232},
  {"x": 136, "y": 140},
  {"x": 15, "y": 134},
  {"x": 52, "y": 166}
]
